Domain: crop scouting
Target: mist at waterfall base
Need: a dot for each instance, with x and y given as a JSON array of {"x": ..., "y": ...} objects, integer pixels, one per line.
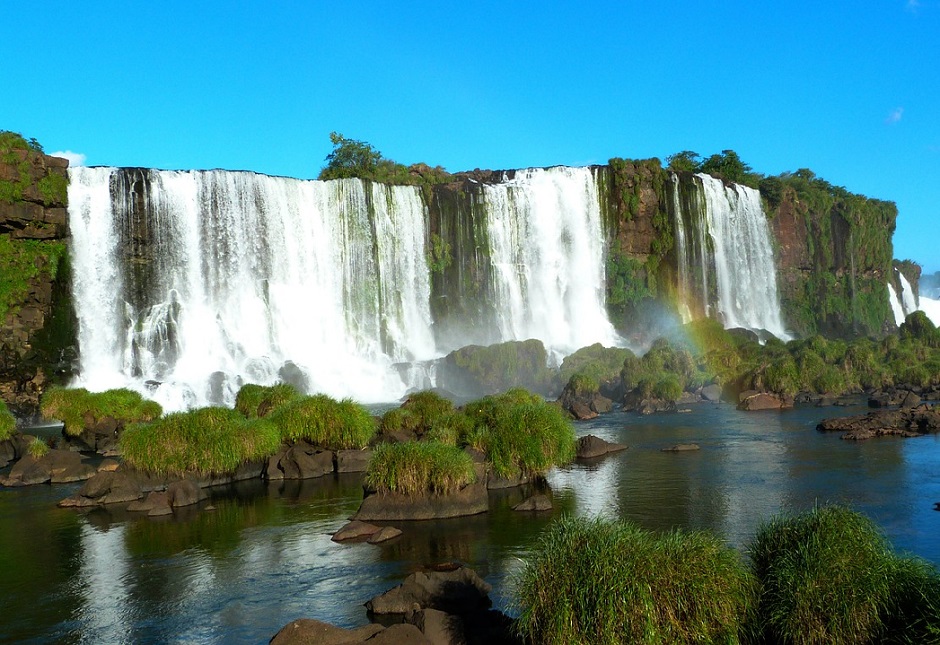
[
  {"x": 188, "y": 284},
  {"x": 906, "y": 302}
]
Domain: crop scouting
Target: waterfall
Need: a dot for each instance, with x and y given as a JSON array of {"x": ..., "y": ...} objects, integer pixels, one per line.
[
  {"x": 547, "y": 252},
  {"x": 908, "y": 299},
  {"x": 897, "y": 308},
  {"x": 192, "y": 283},
  {"x": 723, "y": 236}
]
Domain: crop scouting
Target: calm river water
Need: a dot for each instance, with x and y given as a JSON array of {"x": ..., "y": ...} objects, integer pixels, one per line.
[{"x": 264, "y": 557}]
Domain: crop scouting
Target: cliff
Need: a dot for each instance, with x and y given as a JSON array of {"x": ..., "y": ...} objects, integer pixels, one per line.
[{"x": 36, "y": 321}]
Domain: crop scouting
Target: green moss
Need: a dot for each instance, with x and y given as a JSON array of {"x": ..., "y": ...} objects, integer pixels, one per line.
[
  {"x": 419, "y": 468},
  {"x": 7, "y": 422},
  {"x": 498, "y": 367},
  {"x": 595, "y": 361},
  {"x": 325, "y": 422},
  {"x": 79, "y": 409},
  {"x": 204, "y": 441},
  {"x": 21, "y": 263},
  {"x": 54, "y": 189}
]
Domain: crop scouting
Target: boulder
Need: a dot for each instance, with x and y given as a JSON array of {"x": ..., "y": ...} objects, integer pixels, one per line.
[
  {"x": 581, "y": 411},
  {"x": 352, "y": 461},
  {"x": 496, "y": 482},
  {"x": 401, "y": 634},
  {"x": 712, "y": 392},
  {"x": 905, "y": 422},
  {"x": 384, "y": 534},
  {"x": 113, "y": 487},
  {"x": 354, "y": 530},
  {"x": 683, "y": 447},
  {"x": 299, "y": 461},
  {"x": 395, "y": 507},
  {"x": 590, "y": 446},
  {"x": 185, "y": 492},
  {"x": 761, "y": 401},
  {"x": 157, "y": 503},
  {"x": 56, "y": 466},
  {"x": 313, "y": 632},
  {"x": 534, "y": 503},
  {"x": 458, "y": 590},
  {"x": 910, "y": 400}
]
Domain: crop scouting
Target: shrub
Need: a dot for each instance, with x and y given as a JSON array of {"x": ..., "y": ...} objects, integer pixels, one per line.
[
  {"x": 601, "y": 581},
  {"x": 325, "y": 422},
  {"x": 668, "y": 388},
  {"x": 37, "y": 448},
  {"x": 782, "y": 376},
  {"x": 7, "y": 422},
  {"x": 595, "y": 361},
  {"x": 256, "y": 401},
  {"x": 417, "y": 414},
  {"x": 75, "y": 407},
  {"x": 453, "y": 428},
  {"x": 419, "y": 468},
  {"x": 582, "y": 384},
  {"x": 204, "y": 441},
  {"x": 824, "y": 577}
]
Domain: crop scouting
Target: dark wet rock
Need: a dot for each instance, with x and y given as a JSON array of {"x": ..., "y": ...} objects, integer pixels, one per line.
[
  {"x": 185, "y": 492},
  {"x": 155, "y": 504},
  {"x": 352, "y": 461},
  {"x": 384, "y": 534},
  {"x": 313, "y": 632},
  {"x": 910, "y": 400},
  {"x": 114, "y": 487},
  {"x": 56, "y": 466},
  {"x": 108, "y": 465},
  {"x": 590, "y": 446},
  {"x": 581, "y": 411},
  {"x": 906, "y": 422},
  {"x": 401, "y": 634},
  {"x": 455, "y": 591},
  {"x": 355, "y": 530},
  {"x": 390, "y": 507},
  {"x": 683, "y": 447},
  {"x": 299, "y": 461},
  {"x": 496, "y": 482},
  {"x": 538, "y": 503},
  {"x": 763, "y": 401}
]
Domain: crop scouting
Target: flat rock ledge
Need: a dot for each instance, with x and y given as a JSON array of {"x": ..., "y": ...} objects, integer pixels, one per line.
[
  {"x": 55, "y": 467},
  {"x": 472, "y": 499},
  {"x": 910, "y": 422},
  {"x": 683, "y": 447},
  {"x": 591, "y": 447},
  {"x": 359, "y": 531}
]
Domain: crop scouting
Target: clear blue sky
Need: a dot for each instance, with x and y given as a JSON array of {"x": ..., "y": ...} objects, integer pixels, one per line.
[{"x": 848, "y": 89}]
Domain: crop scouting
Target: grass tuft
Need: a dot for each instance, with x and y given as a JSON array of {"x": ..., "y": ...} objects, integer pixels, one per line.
[
  {"x": 205, "y": 441},
  {"x": 37, "y": 448},
  {"x": 419, "y": 468},
  {"x": 258, "y": 401},
  {"x": 325, "y": 422},
  {"x": 7, "y": 422},
  {"x": 78, "y": 408},
  {"x": 600, "y": 581}
]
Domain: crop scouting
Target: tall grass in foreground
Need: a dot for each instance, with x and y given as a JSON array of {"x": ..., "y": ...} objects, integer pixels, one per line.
[
  {"x": 75, "y": 407},
  {"x": 419, "y": 468},
  {"x": 7, "y": 422},
  {"x": 325, "y": 422},
  {"x": 204, "y": 441},
  {"x": 600, "y": 581},
  {"x": 258, "y": 401},
  {"x": 830, "y": 576}
]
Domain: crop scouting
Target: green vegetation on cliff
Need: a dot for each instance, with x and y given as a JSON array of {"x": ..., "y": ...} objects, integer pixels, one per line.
[
  {"x": 7, "y": 422},
  {"x": 353, "y": 158},
  {"x": 21, "y": 263}
]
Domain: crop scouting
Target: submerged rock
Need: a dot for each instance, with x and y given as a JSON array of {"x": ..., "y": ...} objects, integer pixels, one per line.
[
  {"x": 590, "y": 447},
  {"x": 469, "y": 500},
  {"x": 538, "y": 503},
  {"x": 458, "y": 590}
]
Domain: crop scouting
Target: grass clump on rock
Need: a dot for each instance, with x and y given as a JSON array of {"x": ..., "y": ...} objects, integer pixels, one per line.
[
  {"x": 78, "y": 407},
  {"x": 325, "y": 422},
  {"x": 7, "y": 422},
  {"x": 257, "y": 401},
  {"x": 520, "y": 433},
  {"x": 601, "y": 581},
  {"x": 205, "y": 441},
  {"x": 419, "y": 468},
  {"x": 829, "y": 576},
  {"x": 417, "y": 414}
]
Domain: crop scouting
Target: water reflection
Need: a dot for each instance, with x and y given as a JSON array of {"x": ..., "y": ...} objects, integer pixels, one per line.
[{"x": 263, "y": 555}]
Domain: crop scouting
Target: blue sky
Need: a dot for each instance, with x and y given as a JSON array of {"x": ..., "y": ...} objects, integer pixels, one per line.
[{"x": 850, "y": 90}]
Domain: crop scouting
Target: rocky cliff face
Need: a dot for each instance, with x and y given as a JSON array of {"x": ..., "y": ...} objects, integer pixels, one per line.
[{"x": 35, "y": 313}]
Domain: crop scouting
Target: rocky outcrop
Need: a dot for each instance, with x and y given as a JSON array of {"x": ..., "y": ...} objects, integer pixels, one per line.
[
  {"x": 591, "y": 447},
  {"x": 36, "y": 322},
  {"x": 910, "y": 422},
  {"x": 392, "y": 507},
  {"x": 55, "y": 467},
  {"x": 752, "y": 401}
]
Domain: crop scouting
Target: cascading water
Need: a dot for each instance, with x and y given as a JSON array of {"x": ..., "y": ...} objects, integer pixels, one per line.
[
  {"x": 547, "y": 252},
  {"x": 199, "y": 281},
  {"x": 737, "y": 257},
  {"x": 897, "y": 308}
]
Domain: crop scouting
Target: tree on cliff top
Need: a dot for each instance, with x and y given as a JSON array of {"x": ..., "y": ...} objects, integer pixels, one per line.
[{"x": 350, "y": 158}]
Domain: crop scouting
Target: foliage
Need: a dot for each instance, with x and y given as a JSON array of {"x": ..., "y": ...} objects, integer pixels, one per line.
[
  {"x": 728, "y": 166},
  {"x": 918, "y": 327},
  {"x": 627, "y": 283},
  {"x": 7, "y": 422},
  {"x": 37, "y": 448},
  {"x": 581, "y": 384},
  {"x": 21, "y": 263},
  {"x": 601, "y": 581},
  {"x": 520, "y": 433},
  {"x": 354, "y": 158},
  {"x": 665, "y": 371},
  {"x": 439, "y": 254},
  {"x": 419, "y": 468},
  {"x": 829, "y": 576},
  {"x": 419, "y": 412},
  {"x": 595, "y": 361},
  {"x": 504, "y": 365},
  {"x": 78, "y": 408},
  {"x": 324, "y": 422},
  {"x": 205, "y": 441},
  {"x": 255, "y": 401},
  {"x": 685, "y": 161}
]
